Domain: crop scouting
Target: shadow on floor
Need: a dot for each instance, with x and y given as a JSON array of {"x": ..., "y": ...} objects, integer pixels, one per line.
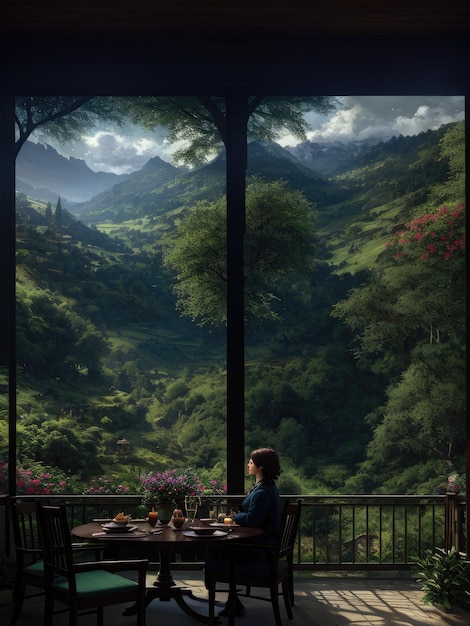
[{"x": 319, "y": 601}]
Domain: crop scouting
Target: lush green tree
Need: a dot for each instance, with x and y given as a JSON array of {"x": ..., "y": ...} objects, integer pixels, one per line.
[
  {"x": 89, "y": 350},
  {"x": 453, "y": 149},
  {"x": 58, "y": 215},
  {"x": 424, "y": 413},
  {"x": 416, "y": 295},
  {"x": 52, "y": 339},
  {"x": 56, "y": 441},
  {"x": 278, "y": 242},
  {"x": 292, "y": 438},
  {"x": 44, "y": 334}
]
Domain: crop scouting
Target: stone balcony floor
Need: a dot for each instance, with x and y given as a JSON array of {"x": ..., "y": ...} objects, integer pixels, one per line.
[{"x": 319, "y": 601}]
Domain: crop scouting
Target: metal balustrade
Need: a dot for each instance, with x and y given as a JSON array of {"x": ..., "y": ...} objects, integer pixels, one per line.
[
  {"x": 359, "y": 532},
  {"x": 369, "y": 532}
]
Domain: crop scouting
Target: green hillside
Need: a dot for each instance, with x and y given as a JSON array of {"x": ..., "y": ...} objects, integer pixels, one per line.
[
  {"x": 388, "y": 186},
  {"x": 357, "y": 209}
]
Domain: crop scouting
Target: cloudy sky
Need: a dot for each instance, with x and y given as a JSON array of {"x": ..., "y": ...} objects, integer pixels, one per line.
[{"x": 356, "y": 118}]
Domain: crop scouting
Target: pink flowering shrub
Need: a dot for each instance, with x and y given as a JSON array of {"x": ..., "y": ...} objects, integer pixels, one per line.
[
  {"x": 214, "y": 488},
  {"x": 439, "y": 235},
  {"x": 35, "y": 480},
  {"x": 168, "y": 485},
  {"x": 106, "y": 486},
  {"x": 171, "y": 486}
]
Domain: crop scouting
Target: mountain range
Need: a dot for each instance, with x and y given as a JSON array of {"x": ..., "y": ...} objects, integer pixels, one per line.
[
  {"x": 44, "y": 174},
  {"x": 361, "y": 192}
]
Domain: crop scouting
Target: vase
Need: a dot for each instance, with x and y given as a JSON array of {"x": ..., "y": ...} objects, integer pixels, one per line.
[{"x": 165, "y": 510}]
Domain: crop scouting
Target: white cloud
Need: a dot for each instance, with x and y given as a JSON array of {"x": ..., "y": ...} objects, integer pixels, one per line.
[
  {"x": 378, "y": 118},
  {"x": 119, "y": 152},
  {"x": 342, "y": 125},
  {"x": 424, "y": 118}
]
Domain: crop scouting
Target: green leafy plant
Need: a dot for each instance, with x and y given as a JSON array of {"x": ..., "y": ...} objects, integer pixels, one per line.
[{"x": 444, "y": 576}]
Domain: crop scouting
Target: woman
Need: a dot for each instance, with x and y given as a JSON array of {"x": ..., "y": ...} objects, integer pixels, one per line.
[{"x": 261, "y": 508}]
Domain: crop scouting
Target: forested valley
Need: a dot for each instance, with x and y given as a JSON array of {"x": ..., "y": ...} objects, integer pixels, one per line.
[{"x": 355, "y": 360}]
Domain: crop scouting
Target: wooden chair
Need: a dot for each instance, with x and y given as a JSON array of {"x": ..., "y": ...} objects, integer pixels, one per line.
[
  {"x": 269, "y": 574},
  {"x": 84, "y": 586},
  {"x": 28, "y": 551}
]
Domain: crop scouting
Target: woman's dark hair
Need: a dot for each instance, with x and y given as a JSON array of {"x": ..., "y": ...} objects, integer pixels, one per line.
[{"x": 268, "y": 461}]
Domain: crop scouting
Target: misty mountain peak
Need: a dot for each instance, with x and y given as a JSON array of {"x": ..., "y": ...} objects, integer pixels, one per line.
[
  {"x": 45, "y": 174},
  {"x": 156, "y": 163}
]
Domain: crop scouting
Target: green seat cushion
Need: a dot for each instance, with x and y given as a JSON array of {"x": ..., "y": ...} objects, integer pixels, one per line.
[
  {"x": 97, "y": 583},
  {"x": 35, "y": 569}
]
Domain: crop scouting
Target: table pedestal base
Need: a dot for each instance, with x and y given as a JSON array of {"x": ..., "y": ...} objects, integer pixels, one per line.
[{"x": 178, "y": 594}]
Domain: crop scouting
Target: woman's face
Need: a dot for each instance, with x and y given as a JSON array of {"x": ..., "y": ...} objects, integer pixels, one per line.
[{"x": 253, "y": 470}]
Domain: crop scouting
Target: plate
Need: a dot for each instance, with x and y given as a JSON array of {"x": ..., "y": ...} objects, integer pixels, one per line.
[
  {"x": 216, "y": 533},
  {"x": 202, "y": 530},
  {"x": 112, "y": 527}
]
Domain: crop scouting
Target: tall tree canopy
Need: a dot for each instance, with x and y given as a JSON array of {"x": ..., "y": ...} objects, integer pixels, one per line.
[
  {"x": 199, "y": 123},
  {"x": 62, "y": 117},
  {"x": 453, "y": 149},
  {"x": 196, "y": 122},
  {"x": 278, "y": 241}
]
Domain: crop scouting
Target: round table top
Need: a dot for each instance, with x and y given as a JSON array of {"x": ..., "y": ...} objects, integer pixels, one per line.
[{"x": 161, "y": 534}]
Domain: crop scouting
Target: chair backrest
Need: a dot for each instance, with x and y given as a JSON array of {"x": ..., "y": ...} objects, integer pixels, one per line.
[
  {"x": 290, "y": 519},
  {"x": 57, "y": 542},
  {"x": 26, "y": 533}
]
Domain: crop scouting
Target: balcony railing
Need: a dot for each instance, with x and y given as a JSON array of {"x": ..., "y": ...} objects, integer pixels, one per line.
[{"x": 363, "y": 532}]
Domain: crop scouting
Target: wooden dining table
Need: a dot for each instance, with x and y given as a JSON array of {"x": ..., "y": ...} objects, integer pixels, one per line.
[{"x": 165, "y": 540}]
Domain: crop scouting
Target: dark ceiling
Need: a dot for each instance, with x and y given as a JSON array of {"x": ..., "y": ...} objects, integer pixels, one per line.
[
  {"x": 275, "y": 33},
  {"x": 178, "y": 18}
]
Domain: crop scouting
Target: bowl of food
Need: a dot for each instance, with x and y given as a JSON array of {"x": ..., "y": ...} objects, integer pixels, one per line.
[
  {"x": 121, "y": 519},
  {"x": 203, "y": 530}
]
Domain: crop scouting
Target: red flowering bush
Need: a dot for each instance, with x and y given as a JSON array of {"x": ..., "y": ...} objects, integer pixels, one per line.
[
  {"x": 34, "y": 481},
  {"x": 439, "y": 235}
]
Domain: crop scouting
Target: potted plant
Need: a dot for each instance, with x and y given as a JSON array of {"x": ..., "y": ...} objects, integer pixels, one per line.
[
  {"x": 455, "y": 483},
  {"x": 165, "y": 490},
  {"x": 445, "y": 577}
]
